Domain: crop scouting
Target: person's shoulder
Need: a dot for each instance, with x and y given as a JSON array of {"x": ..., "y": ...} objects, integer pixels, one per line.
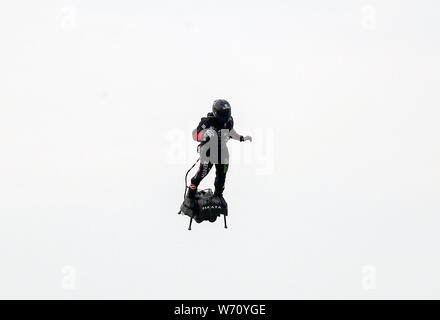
[
  {"x": 209, "y": 118},
  {"x": 205, "y": 122}
]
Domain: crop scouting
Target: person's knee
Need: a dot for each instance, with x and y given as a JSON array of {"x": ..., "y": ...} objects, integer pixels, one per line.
[{"x": 222, "y": 169}]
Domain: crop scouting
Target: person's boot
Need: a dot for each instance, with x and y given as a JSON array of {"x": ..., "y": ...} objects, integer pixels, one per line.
[
  {"x": 189, "y": 204},
  {"x": 220, "y": 196},
  {"x": 191, "y": 193}
]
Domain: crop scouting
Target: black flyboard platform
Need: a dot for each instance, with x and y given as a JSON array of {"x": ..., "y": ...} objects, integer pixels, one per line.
[{"x": 208, "y": 208}]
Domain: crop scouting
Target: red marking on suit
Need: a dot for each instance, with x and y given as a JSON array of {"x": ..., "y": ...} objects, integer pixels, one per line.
[{"x": 197, "y": 136}]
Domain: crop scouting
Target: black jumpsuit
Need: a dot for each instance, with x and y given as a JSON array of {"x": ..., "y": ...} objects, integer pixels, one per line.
[{"x": 206, "y": 163}]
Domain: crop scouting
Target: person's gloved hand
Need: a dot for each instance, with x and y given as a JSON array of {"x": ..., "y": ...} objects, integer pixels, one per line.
[{"x": 247, "y": 138}]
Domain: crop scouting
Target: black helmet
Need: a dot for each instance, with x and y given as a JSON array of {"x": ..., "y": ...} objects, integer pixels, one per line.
[{"x": 221, "y": 110}]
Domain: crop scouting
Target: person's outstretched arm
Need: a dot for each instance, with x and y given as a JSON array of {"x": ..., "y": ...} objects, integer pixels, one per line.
[{"x": 235, "y": 136}]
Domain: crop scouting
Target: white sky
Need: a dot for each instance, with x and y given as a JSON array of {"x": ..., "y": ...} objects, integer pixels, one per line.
[{"x": 341, "y": 98}]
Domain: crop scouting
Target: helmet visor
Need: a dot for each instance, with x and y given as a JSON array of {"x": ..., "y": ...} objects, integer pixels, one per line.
[{"x": 223, "y": 114}]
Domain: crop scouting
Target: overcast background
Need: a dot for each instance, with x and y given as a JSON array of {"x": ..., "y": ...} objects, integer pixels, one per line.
[{"x": 337, "y": 197}]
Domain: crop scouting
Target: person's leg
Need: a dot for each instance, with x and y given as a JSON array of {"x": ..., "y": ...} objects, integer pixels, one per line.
[
  {"x": 220, "y": 177},
  {"x": 203, "y": 171}
]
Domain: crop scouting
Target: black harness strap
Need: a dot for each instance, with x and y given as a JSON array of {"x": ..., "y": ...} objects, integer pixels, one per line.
[{"x": 186, "y": 178}]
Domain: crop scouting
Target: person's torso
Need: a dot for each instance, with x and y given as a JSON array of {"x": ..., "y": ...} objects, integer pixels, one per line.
[{"x": 221, "y": 153}]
